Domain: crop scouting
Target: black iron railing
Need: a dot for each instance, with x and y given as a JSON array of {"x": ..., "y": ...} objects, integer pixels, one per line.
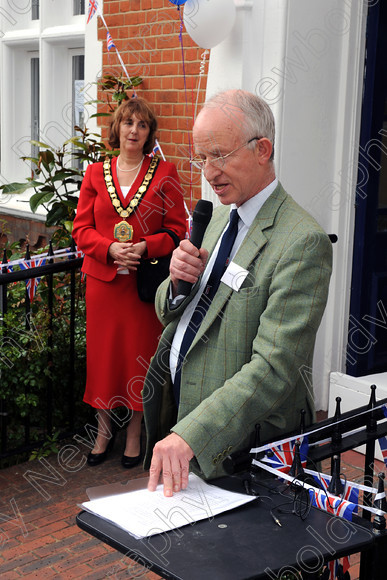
[{"x": 57, "y": 390}]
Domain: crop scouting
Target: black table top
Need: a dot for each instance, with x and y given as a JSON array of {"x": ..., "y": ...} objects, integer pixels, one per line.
[{"x": 241, "y": 544}]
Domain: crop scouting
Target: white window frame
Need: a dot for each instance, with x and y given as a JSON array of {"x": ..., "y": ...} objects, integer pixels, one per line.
[{"x": 55, "y": 38}]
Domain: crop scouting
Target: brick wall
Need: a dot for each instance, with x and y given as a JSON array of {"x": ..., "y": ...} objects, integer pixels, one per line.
[
  {"x": 146, "y": 33},
  {"x": 25, "y": 231}
]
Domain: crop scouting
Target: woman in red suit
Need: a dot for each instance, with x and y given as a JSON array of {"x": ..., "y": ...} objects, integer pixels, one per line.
[{"x": 123, "y": 202}]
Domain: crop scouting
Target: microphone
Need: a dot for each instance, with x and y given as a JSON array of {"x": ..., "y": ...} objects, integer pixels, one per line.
[{"x": 201, "y": 218}]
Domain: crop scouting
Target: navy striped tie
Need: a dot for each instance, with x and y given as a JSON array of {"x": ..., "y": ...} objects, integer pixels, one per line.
[{"x": 206, "y": 298}]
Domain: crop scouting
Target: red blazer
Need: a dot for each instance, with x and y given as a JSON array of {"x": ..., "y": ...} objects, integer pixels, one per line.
[{"x": 161, "y": 207}]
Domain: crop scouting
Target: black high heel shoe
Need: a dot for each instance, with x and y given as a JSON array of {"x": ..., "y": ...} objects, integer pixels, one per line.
[
  {"x": 94, "y": 459},
  {"x": 129, "y": 462}
]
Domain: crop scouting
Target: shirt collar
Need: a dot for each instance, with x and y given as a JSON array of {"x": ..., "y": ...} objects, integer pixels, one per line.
[{"x": 248, "y": 210}]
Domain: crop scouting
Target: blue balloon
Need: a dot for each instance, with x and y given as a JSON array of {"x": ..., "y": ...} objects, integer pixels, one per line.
[{"x": 178, "y": 2}]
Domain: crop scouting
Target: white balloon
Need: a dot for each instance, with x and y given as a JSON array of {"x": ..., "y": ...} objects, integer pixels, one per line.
[{"x": 208, "y": 22}]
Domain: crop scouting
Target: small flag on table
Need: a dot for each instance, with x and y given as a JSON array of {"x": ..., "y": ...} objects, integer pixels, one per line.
[{"x": 281, "y": 457}]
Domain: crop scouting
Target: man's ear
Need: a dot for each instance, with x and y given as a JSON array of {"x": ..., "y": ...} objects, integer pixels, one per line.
[{"x": 264, "y": 150}]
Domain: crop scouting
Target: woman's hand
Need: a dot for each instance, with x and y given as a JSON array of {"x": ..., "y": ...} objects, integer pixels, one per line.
[{"x": 127, "y": 255}]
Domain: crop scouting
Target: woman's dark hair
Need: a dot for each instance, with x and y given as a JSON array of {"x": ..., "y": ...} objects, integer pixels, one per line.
[{"x": 134, "y": 106}]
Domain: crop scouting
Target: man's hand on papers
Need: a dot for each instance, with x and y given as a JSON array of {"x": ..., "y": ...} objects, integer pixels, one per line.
[{"x": 171, "y": 457}]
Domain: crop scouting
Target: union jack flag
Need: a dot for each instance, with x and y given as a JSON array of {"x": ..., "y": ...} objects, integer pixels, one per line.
[
  {"x": 93, "y": 7},
  {"x": 332, "y": 504},
  {"x": 32, "y": 283},
  {"x": 383, "y": 448},
  {"x": 350, "y": 494},
  {"x": 332, "y": 570},
  {"x": 340, "y": 507},
  {"x": 281, "y": 457},
  {"x": 109, "y": 41},
  {"x": 157, "y": 150},
  {"x": 77, "y": 254},
  {"x": 335, "y": 570}
]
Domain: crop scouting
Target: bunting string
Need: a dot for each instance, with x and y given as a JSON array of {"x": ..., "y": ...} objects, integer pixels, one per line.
[
  {"x": 308, "y": 486},
  {"x": 95, "y": 9},
  {"x": 36, "y": 261},
  {"x": 295, "y": 437},
  {"x": 61, "y": 253}
]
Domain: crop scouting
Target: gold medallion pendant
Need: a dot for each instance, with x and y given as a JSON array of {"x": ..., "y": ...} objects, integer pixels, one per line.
[
  {"x": 123, "y": 232},
  {"x": 125, "y": 212}
]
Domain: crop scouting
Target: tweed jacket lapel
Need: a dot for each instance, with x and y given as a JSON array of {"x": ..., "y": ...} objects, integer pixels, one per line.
[{"x": 251, "y": 246}]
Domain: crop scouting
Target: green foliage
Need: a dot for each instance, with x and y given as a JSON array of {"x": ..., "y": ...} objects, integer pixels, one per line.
[
  {"x": 50, "y": 445},
  {"x": 57, "y": 173},
  {"x": 115, "y": 90},
  {"x": 34, "y": 356}
]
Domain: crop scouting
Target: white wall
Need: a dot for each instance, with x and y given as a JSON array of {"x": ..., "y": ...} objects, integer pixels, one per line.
[{"x": 305, "y": 58}]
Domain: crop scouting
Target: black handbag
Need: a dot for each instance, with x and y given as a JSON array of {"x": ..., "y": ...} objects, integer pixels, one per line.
[{"x": 152, "y": 272}]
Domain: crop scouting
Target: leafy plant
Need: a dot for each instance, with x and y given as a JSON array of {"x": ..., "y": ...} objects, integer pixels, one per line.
[
  {"x": 34, "y": 355},
  {"x": 50, "y": 445},
  {"x": 115, "y": 90}
]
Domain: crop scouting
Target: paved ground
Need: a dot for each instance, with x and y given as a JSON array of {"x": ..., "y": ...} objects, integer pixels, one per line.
[{"x": 38, "y": 504}]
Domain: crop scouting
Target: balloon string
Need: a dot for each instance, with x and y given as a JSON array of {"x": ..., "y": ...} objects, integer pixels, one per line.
[
  {"x": 186, "y": 103},
  {"x": 201, "y": 74}
]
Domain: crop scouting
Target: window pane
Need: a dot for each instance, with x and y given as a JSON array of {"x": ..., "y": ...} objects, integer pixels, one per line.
[
  {"x": 78, "y": 84},
  {"x": 35, "y": 98},
  {"x": 79, "y": 7},
  {"x": 78, "y": 95},
  {"x": 35, "y": 10}
]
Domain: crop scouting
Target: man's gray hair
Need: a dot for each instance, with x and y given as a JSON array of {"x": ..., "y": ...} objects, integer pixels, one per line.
[{"x": 258, "y": 117}]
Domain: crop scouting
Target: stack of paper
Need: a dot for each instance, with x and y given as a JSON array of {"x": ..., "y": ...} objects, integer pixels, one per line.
[{"x": 143, "y": 513}]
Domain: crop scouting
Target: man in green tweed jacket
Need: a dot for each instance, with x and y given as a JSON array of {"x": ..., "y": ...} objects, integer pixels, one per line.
[{"x": 245, "y": 363}]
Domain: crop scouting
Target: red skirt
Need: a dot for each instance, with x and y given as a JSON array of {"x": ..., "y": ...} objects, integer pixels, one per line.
[{"x": 121, "y": 337}]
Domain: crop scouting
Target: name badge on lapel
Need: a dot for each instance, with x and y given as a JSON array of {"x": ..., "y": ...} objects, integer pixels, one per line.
[{"x": 234, "y": 276}]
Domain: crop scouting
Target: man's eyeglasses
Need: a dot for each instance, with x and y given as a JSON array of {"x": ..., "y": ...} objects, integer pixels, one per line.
[{"x": 218, "y": 160}]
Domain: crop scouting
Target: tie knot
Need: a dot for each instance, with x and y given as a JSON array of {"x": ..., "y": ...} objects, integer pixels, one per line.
[{"x": 234, "y": 217}]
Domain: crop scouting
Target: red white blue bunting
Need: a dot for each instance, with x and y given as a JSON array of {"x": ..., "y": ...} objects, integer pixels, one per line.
[{"x": 33, "y": 283}]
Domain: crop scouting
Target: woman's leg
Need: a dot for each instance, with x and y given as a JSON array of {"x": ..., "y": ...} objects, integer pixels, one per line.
[
  {"x": 104, "y": 431},
  {"x": 133, "y": 435}
]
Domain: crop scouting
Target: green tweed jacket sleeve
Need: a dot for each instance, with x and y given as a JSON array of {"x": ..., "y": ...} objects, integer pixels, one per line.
[{"x": 247, "y": 362}]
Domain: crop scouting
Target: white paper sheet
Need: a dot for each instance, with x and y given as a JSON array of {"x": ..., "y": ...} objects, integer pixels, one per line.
[{"x": 144, "y": 513}]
